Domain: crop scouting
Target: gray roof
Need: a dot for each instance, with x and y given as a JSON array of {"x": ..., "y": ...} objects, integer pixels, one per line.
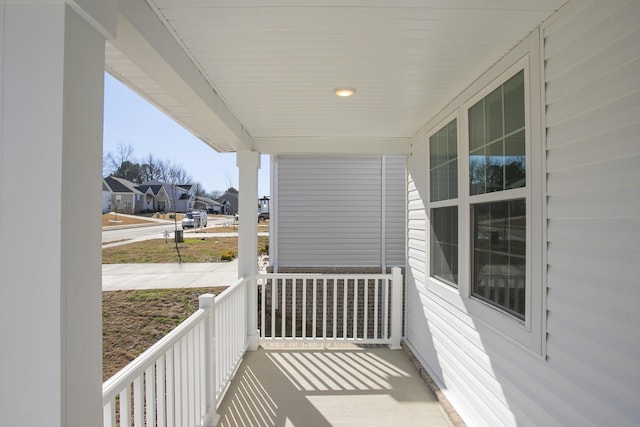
[
  {"x": 121, "y": 185},
  {"x": 207, "y": 201}
]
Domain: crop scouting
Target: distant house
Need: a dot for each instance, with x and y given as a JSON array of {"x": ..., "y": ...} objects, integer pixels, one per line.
[
  {"x": 229, "y": 202},
  {"x": 180, "y": 197},
  {"x": 156, "y": 197},
  {"x": 125, "y": 197},
  {"x": 208, "y": 204}
]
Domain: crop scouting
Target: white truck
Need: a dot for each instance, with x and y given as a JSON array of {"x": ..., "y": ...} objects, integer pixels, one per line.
[{"x": 195, "y": 219}]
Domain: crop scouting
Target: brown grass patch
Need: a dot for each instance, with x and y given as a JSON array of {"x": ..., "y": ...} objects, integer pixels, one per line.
[
  {"x": 192, "y": 250},
  {"x": 109, "y": 219},
  {"x": 135, "y": 320}
]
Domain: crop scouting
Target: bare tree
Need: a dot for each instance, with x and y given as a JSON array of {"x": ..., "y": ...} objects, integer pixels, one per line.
[
  {"x": 178, "y": 174},
  {"x": 229, "y": 180},
  {"x": 114, "y": 161},
  {"x": 199, "y": 189},
  {"x": 149, "y": 168},
  {"x": 215, "y": 194}
]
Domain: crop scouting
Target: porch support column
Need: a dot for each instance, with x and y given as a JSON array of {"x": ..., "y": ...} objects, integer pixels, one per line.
[
  {"x": 51, "y": 87},
  {"x": 248, "y": 163}
]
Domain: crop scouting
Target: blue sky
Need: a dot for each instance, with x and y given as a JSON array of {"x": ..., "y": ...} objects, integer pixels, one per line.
[{"x": 131, "y": 120}]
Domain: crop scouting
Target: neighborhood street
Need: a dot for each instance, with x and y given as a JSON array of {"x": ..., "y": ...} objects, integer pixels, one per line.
[
  {"x": 126, "y": 234},
  {"x": 150, "y": 276}
]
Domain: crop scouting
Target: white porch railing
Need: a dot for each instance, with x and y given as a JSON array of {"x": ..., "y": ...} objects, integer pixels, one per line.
[
  {"x": 180, "y": 379},
  {"x": 359, "y": 308}
]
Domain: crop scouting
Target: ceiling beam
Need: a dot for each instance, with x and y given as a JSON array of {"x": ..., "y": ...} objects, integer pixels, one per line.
[
  {"x": 337, "y": 145},
  {"x": 145, "y": 40}
]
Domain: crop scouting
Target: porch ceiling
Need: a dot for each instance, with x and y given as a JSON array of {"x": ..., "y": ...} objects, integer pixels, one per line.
[{"x": 274, "y": 63}]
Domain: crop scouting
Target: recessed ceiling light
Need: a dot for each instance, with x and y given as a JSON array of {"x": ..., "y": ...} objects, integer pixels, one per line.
[{"x": 344, "y": 91}]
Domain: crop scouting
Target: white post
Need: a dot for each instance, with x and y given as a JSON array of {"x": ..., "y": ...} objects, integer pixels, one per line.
[
  {"x": 51, "y": 83},
  {"x": 396, "y": 308},
  {"x": 249, "y": 162},
  {"x": 211, "y": 417}
]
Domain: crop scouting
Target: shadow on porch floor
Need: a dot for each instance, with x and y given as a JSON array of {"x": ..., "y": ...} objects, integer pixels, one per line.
[{"x": 329, "y": 386}]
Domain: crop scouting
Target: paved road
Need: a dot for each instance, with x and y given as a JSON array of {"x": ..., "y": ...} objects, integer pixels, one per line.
[
  {"x": 125, "y": 234},
  {"x": 154, "y": 276}
]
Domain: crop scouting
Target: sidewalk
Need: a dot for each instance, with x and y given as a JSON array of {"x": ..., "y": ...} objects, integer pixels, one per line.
[{"x": 163, "y": 276}]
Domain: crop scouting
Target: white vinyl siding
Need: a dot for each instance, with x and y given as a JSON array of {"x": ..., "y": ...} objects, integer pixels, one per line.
[
  {"x": 331, "y": 209},
  {"x": 593, "y": 210},
  {"x": 589, "y": 375},
  {"x": 395, "y": 210}
]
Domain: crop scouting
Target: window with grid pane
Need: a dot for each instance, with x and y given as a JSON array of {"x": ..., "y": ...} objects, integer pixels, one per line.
[
  {"x": 497, "y": 176},
  {"x": 443, "y": 176}
]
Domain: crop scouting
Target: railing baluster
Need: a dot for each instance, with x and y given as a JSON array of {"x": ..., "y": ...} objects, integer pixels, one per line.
[
  {"x": 185, "y": 384},
  {"x": 355, "y": 308},
  {"x": 192, "y": 377},
  {"x": 138, "y": 402},
  {"x": 263, "y": 299},
  {"x": 293, "y": 308},
  {"x": 125, "y": 407},
  {"x": 109, "y": 414},
  {"x": 345, "y": 309},
  {"x": 150, "y": 398},
  {"x": 160, "y": 393},
  {"x": 200, "y": 374},
  {"x": 335, "y": 309},
  {"x": 274, "y": 298},
  {"x": 304, "y": 308},
  {"x": 177, "y": 383},
  {"x": 385, "y": 307},
  {"x": 324, "y": 308},
  {"x": 283, "y": 309},
  {"x": 365, "y": 333},
  {"x": 171, "y": 390},
  {"x": 375, "y": 309},
  {"x": 313, "y": 331}
]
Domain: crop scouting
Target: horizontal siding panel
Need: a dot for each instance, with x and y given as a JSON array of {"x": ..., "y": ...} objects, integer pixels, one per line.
[
  {"x": 608, "y": 28},
  {"x": 620, "y": 113},
  {"x": 622, "y": 203},
  {"x": 583, "y": 17},
  {"x": 586, "y": 390},
  {"x": 575, "y": 364},
  {"x": 614, "y": 85},
  {"x": 597, "y": 287},
  {"x": 607, "y": 329},
  {"x": 623, "y": 232},
  {"x": 614, "y": 144},
  {"x": 620, "y": 263},
  {"x": 592, "y": 68},
  {"x": 416, "y": 207},
  {"x": 618, "y": 365},
  {"x": 414, "y": 273},
  {"x": 610, "y": 175}
]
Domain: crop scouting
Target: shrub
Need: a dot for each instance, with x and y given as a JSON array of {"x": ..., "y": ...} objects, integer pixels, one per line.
[{"x": 228, "y": 256}]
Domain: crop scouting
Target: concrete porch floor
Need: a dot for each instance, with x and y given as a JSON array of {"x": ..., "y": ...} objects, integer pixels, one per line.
[{"x": 329, "y": 386}]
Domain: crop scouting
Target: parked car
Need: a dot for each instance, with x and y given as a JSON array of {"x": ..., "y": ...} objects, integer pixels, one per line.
[
  {"x": 262, "y": 216},
  {"x": 195, "y": 219}
]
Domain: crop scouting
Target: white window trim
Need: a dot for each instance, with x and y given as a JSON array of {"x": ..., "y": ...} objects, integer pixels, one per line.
[
  {"x": 530, "y": 333},
  {"x": 442, "y": 285}
]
